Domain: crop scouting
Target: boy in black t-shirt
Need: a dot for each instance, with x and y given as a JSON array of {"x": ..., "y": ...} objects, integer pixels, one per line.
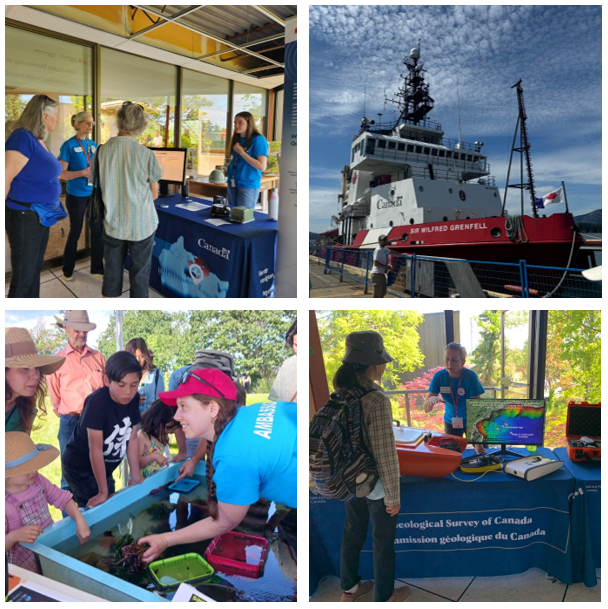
[{"x": 106, "y": 431}]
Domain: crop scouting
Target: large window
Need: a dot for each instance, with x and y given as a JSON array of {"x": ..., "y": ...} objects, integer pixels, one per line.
[
  {"x": 251, "y": 99},
  {"x": 203, "y": 121},
  {"x": 150, "y": 83}
]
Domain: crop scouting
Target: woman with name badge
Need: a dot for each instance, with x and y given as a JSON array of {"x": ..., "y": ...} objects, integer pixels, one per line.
[
  {"x": 251, "y": 453},
  {"x": 249, "y": 159},
  {"x": 455, "y": 383},
  {"x": 75, "y": 158}
]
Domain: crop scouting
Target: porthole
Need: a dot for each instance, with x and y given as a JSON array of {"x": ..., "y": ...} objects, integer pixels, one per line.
[
  {"x": 451, "y": 191},
  {"x": 404, "y": 237},
  {"x": 495, "y": 194},
  {"x": 496, "y": 232},
  {"x": 420, "y": 188},
  {"x": 462, "y": 195},
  {"x": 445, "y": 218},
  {"x": 392, "y": 192},
  {"x": 411, "y": 220},
  {"x": 390, "y": 223}
]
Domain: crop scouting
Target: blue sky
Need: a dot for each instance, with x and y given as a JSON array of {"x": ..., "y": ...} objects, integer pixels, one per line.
[{"x": 556, "y": 50}]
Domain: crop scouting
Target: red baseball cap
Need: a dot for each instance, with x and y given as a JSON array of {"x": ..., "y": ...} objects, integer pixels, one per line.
[{"x": 206, "y": 381}]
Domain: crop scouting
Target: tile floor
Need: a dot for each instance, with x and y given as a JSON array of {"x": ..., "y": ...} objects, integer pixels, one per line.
[
  {"x": 83, "y": 284},
  {"x": 532, "y": 586}
]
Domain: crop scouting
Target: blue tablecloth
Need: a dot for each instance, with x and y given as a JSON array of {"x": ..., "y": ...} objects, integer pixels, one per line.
[
  {"x": 494, "y": 525},
  {"x": 585, "y": 517},
  {"x": 194, "y": 259}
]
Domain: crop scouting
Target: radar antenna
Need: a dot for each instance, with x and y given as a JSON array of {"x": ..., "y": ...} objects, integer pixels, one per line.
[{"x": 524, "y": 151}]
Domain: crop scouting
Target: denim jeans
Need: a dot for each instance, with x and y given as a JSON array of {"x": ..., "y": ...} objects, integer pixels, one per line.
[
  {"x": 82, "y": 483},
  {"x": 139, "y": 268},
  {"x": 76, "y": 207},
  {"x": 242, "y": 197},
  {"x": 384, "y": 530},
  {"x": 67, "y": 424},
  {"x": 28, "y": 240}
]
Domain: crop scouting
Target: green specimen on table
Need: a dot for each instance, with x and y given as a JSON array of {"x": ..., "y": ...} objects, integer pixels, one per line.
[{"x": 124, "y": 540}]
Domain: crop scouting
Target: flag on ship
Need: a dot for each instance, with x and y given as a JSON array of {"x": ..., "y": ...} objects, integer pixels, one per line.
[{"x": 557, "y": 196}]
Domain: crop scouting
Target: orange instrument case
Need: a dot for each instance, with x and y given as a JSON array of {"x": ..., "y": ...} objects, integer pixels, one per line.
[
  {"x": 425, "y": 453},
  {"x": 584, "y": 420}
]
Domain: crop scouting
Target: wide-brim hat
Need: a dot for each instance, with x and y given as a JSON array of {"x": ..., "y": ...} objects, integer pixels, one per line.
[
  {"x": 20, "y": 352},
  {"x": 79, "y": 320},
  {"x": 366, "y": 348},
  {"x": 22, "y": 456},
  {"x": 206, "y": 381},
  {"x": 220, "y": 360}
]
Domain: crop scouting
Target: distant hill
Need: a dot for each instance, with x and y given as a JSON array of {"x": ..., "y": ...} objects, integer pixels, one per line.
[
  {"x": 312, "y": 236},
  {"x": 591, "y": 222}
]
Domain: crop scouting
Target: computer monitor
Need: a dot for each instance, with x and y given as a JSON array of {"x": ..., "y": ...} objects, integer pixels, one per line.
[
  {"x": 172, "y": 162},
  {"x": 507, "y": 421}
]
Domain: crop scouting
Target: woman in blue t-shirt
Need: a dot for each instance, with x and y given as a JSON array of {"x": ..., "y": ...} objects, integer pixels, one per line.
[
  {"x": 251, "y": 453},
  {"x": 453, "y": 385},
  {"x": 31, "y": 194},
  {"x": 249, "y": 159},
  {"x": 75, "y": 158}
]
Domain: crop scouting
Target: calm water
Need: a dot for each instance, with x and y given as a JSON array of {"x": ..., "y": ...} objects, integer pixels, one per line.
[{"x": 168, "y": 511}]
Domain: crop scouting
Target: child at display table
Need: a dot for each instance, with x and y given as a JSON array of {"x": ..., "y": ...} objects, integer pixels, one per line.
[
  {"x": 27, "y": 495},
  {"x": 156, "y": 425},
  {"x": 107, "y": 430}
]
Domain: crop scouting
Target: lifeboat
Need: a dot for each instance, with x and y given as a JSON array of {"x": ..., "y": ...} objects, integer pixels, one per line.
[{"x": 427, "y": 453}]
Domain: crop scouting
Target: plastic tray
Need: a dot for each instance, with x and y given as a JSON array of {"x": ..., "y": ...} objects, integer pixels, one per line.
[
  {"x": 230, "y": 551},
  {"x": 185, "y": 485},
  {"x": 190, "y": 568}
]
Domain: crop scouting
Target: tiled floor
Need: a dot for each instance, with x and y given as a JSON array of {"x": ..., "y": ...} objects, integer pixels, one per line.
[
  {"x": 532, "y": 586},
  {"x": 83, "y": 284}
]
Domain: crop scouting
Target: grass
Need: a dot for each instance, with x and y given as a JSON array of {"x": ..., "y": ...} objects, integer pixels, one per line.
[{"x": 47, "y": 434}]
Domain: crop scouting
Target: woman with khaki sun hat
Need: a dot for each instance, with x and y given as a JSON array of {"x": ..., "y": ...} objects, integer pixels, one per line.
[{"x": 25, "y": 391}]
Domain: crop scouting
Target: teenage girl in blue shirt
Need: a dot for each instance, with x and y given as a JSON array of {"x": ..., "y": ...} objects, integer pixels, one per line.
[
  {"x": 251, "y": 453},
  {"x": 75, "y": 158},
  {"x": 249, "y": 159}
]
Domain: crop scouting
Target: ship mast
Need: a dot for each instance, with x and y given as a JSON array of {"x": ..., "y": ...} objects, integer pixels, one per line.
[
  {"x": 413, "y": 96},
  {"x": 524, "y": 151}
]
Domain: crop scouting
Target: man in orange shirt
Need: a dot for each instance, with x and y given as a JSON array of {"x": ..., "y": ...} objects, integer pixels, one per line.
[{"x": 81, "y": 375}]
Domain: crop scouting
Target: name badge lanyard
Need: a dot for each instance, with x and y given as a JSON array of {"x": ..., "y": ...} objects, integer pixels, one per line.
[
  {"x": 86, "y": 153},
  {"x": 455, "y": 401}
]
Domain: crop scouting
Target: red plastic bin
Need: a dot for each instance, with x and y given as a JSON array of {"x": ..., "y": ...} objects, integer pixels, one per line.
[{"x": 239, "y": 553}]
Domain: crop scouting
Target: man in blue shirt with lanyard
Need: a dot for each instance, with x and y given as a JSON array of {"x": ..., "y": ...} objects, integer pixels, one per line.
[{"x": 455, "y": 383}]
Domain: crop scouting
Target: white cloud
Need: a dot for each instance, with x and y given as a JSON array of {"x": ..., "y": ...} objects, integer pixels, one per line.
[{"x": 322, "y": 205}]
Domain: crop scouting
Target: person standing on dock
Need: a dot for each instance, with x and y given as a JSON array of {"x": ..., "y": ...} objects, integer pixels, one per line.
[
  {"x": 81, "y": 375},
  {"x": 381, "y": 266}
]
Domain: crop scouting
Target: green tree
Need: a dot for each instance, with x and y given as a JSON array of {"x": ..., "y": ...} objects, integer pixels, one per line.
[
  {"x": 48, "y": 339},
  {"x": 399, "y": 330},
  {"x": 486, "y": 355}
]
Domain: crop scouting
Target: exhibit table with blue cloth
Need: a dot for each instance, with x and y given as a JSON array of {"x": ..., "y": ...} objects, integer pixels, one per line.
[
  {"x": 195, "y": 259},
  {"x": 496, "y": 524},
  {"x": 585, "y": 517}
]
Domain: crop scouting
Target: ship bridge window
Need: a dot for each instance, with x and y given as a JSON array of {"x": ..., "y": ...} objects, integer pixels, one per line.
[
  {"x": 456, "y": 155},
  {"x": 427, "y": 150},
  {"x": 434, "y": 152},
  {"x": 369, "y": 146},
  {"x": 353, "y": 155},
  {"x": 449, "y": 154},
  {"x": 482, "y": 163},
  {"x": 418, "y": 149},
  {"x": 475, "y": 159},
  {"x": 469, "y": 157},
  {"x": 391, "y": 145},
  {"x": 410, "y": 147},
  {"x": 381, "y": 144},
  {"x": 442, "y": 153},
  {"x": 401, "y": 147}
]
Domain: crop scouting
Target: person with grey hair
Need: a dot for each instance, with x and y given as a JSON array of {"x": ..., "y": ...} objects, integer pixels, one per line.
[
  {"x": 31, "y": 194},
  {"x": 128, "y": 177},
  {"x": 75, "y": 158},
  {"x": 452, "y": 386}
]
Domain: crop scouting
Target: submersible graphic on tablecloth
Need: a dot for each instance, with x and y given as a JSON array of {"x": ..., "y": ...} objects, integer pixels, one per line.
[{"x": 186, "y": 274}]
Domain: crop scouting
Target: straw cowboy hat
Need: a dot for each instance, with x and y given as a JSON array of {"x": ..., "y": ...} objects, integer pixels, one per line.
[
  {"x": 22, "y": 456},
  {"x": 20, "y": 352},
  {"x": 79, "y": 320},
  {"x": 366, "y": 348}
]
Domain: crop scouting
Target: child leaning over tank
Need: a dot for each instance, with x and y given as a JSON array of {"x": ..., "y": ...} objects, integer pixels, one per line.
[
  {"x": 106, "y": 431},
  {"x": 27, "y": 495}
]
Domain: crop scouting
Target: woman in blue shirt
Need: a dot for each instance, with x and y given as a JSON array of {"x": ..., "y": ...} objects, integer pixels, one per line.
[
  {"x": 453, "y": 385},
  {"x": 31, "y": 194},
  {"x": 249, "y": 159},
  {"x": 152, "y": 381},
  {"x": 251, "y": 453},
  {"x": 75, "y": 158}
]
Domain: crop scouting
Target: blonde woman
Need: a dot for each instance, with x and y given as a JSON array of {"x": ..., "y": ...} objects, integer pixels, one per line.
[
  {"x": 31, "y": 194},
  {"x": 75, "y": 157}
]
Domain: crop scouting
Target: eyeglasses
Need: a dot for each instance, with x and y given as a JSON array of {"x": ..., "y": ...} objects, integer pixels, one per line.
[
  {"x": 188, "y": 374},
  {"x": 91, "y": 123}
]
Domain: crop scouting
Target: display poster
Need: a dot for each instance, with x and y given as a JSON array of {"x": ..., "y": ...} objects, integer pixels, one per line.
[
  {"x": 171, "y": 164},
  {"x": 286, "y": 267}
]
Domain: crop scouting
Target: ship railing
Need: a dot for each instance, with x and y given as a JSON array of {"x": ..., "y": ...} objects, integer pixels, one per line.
[
  {"x": 406, "y": 393},
  {"x": 419, "y": 276}
]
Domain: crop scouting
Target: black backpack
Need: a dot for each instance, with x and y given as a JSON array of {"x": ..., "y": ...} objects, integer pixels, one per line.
[{"x": 339, "y": 460}]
